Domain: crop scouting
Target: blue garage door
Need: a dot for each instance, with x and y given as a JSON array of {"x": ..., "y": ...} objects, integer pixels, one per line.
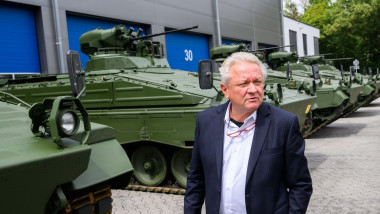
[
  {"x": 78, "y": 25},
  {"x": 185, "y": 50},
  {"x": 18, "y": 40}
]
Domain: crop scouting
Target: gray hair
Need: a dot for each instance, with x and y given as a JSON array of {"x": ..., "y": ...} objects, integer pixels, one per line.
[{"x": 240, "y": 57}]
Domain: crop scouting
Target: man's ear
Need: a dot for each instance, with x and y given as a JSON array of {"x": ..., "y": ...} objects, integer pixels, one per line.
[{"x": 224, "y": 90}]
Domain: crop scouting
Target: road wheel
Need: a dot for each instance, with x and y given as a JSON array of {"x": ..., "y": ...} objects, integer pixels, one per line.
[
  {"x": 150, "y": 165},
  {"x": 180, "y": 166}
]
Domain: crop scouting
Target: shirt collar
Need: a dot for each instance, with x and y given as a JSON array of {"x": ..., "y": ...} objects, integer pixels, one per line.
[{"x": 251, "y": 117}]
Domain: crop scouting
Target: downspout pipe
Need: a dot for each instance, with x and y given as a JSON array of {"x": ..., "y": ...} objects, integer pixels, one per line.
[
  {"x": 282, "y": 24},
  {"x": 57, "y": 28},
  {"x": 254, "y": 43},
  {"x": 218, "y": 36}
]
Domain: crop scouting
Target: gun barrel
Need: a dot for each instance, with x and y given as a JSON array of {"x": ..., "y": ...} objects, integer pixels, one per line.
[
  {"x": 261, "y": 49},
  {"x": 326, "y": 54},
  {"x": 163, "y": 33},
  {"x": 337, "y": 59}
]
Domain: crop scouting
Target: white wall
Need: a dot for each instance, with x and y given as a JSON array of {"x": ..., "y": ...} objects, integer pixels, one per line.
[{"x": 300, "y": 28}]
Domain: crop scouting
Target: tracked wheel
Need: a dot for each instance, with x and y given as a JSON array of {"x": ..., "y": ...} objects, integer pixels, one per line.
[
  {"x": 180, "y": 166},
  {"x": 149, "y": 166}
]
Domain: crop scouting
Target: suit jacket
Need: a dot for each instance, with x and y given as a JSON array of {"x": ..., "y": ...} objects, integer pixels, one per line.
[{"x": 278, "y": 178}]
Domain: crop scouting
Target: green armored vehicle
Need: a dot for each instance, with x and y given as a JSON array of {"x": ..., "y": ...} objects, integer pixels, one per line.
[
  {"x": 51, "y": 163},
  {"x": 153, "y": 108},
  {"x": 370, "y": 86},
  {"x": 335, "y": 97},
  {"x": 370, "y": 81}
]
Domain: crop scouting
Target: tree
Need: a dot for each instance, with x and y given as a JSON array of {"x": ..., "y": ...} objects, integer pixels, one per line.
[
  {"x": 291, "y": 10},
  {"x": 304, "y": 4},
  {"x": 348, "y": 28},
  {"x": 315, "y": 15}
]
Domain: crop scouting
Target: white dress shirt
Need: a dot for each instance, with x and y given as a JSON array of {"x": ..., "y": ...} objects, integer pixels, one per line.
[{"x": 236, "y": 152}]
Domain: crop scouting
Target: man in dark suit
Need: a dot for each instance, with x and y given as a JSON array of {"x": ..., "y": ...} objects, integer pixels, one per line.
[{"x": 248, "y": 156}]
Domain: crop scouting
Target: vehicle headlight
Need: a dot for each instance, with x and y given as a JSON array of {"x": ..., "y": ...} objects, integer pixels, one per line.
[
  {"x": 69, "y": 123},
  {"x": 58, "y": 118}
]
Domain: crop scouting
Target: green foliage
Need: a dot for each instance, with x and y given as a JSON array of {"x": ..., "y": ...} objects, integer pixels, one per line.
[
  {"x": 348, "y": 28},
  {"x": 314, "y": 15}
]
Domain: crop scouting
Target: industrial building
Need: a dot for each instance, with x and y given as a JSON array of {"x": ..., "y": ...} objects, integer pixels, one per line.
[{"x": 36, "y": 34}]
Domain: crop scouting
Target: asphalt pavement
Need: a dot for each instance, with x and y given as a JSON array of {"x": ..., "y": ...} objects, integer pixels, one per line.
[{"x": 344, "y": 161}]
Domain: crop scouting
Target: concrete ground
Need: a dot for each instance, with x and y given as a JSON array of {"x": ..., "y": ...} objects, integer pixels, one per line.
[{"x": 344, "y": 161}]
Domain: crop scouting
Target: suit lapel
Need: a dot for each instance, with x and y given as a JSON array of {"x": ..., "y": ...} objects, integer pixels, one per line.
[
  {"x": 219, "y": 137},
  {"x": 261, "y": 131}
]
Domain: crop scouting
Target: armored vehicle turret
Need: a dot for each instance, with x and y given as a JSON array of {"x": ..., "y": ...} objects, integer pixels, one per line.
[{"x": 52, "y": 162}]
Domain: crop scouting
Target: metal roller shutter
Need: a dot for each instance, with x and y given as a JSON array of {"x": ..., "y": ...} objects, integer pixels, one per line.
[
  {"x": 184, "y": 50},
  {"x": 18, "y": 40}
]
